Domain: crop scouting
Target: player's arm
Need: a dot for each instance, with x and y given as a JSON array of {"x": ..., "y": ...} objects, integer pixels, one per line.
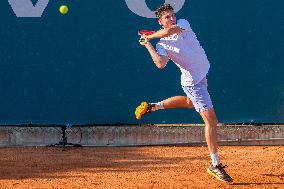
[
  {"x": 165, "y": 32},
  {"x": 159, "y": 61}
]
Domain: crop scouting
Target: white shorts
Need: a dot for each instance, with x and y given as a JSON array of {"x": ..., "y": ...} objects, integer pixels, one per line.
[{"x": 199, "y": 96}]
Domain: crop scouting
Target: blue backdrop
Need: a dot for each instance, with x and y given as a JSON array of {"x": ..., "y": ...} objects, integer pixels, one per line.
[{"x": 87, "y": 66}]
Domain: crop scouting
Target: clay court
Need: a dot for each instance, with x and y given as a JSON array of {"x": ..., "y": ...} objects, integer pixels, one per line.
[{"x": 139, "y": 167}]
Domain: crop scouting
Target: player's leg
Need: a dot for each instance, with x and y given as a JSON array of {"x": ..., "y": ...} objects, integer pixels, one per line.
[
  {"x": 202, "y": 103},
  {"x": 216, "y": 169},
  {"x": 210, "y": 120},
  {"x": 177, "y": 102},
  {"x": 172, "y": 102}
]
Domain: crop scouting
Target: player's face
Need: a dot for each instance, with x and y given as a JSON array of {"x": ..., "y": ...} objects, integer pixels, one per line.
[{"x": 168, "y": 19}]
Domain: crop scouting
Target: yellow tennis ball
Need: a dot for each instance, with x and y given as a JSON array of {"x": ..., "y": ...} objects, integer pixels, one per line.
[{"x": 63, "y": 9}]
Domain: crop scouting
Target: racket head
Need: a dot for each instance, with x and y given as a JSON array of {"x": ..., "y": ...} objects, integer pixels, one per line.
[{"x": 145, "y": 32}]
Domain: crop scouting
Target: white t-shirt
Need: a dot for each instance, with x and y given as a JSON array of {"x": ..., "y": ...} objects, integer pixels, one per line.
[{"x": 186, "y": 52}]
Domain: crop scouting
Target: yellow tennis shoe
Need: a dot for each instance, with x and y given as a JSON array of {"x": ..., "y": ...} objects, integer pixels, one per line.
[{"x": 142, "y": 109}]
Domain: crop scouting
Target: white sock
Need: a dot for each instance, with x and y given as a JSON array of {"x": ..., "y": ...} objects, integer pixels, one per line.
[
  {"x": 158, "y": 106},
  {"x": 215, "y": 159}
]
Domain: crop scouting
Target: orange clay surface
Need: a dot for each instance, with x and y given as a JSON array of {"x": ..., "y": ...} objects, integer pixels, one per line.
[{"x": 138, "y": 167}]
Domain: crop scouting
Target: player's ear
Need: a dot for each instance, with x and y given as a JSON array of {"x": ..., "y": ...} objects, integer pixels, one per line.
[{"x": 159, "y": 20}]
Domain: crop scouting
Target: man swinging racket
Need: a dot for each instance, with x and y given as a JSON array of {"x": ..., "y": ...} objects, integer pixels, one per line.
[{"x": 179, "y": 43}]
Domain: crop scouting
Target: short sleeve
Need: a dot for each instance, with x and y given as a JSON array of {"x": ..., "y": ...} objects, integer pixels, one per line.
[
  {"x": 183, "y": 24},
  {"x": 161, "y": 50}
]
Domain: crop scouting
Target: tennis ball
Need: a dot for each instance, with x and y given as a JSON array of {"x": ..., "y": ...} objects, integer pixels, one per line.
[{"x": 63, "y": 9}]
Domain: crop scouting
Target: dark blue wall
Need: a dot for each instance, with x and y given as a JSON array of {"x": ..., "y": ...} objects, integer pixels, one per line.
[{"x": 87, "y": 66}]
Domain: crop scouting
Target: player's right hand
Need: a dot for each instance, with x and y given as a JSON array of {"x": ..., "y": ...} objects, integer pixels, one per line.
[{"x": 143, "y": 40}]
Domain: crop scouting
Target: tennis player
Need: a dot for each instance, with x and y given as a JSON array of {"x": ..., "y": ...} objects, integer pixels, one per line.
[{"x": 179, "y": 43}]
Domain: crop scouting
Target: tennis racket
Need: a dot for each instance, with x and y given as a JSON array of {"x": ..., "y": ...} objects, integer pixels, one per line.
[{"x": 145, "y": 32}]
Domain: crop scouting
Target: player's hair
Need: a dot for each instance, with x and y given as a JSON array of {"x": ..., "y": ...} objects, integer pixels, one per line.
[{"x": 161, "y": 9}]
